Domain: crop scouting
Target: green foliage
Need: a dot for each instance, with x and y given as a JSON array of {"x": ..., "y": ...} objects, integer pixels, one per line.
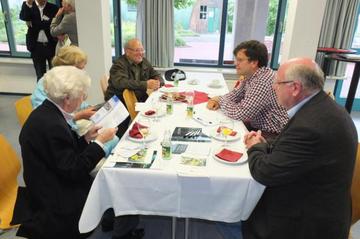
[
  {"x": 3, "y": 37},
  {"x": 178, "y": 3},
  {"x": 181, "y": 32},
  {"x": 179, "y": 42},
  {"x": 273, "y": 7},
  {"x": 230, "y": 16},
  {"x": 128, "y": 31}
]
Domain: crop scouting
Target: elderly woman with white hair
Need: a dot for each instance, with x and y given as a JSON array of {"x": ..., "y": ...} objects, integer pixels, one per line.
[
  {"x": 64, "y": 22},
  {"x": 56, "y": 161}
]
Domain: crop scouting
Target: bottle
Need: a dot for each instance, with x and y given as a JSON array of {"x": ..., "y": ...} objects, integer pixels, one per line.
[
  {"x": 176, "y": 80},
  {"x": 166, "y": 146},
  {"x": 190, "y": 108},
  {"x": 169, "y": 104}
]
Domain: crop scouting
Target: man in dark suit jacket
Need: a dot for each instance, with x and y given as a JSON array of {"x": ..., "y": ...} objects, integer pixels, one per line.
[
  {"x": 56, "y": 161},
  {"x": 38, "y": 16},
  {"x": 308, "y": 168}
]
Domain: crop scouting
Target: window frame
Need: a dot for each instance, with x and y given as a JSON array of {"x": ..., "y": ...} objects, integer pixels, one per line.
[{"x": 118, "y": 35}]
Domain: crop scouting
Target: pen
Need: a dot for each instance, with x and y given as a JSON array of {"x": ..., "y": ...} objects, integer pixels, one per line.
[{"x": 153, "y": 158}]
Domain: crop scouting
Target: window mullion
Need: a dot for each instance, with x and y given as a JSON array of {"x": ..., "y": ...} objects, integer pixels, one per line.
[{"x": 222, "y": 33}]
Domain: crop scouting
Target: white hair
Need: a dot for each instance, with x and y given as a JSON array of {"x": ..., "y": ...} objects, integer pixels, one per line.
[
  {"x": 311, "y": 78},
  {"x": 70, "y": 2},
  {"x": 66, "y": 81}
]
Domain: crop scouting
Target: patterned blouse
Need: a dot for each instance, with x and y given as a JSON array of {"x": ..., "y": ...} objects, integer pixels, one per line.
[{"x": 254, "y": 102}]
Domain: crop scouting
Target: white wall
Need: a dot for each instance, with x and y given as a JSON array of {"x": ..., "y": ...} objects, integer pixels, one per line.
[
  {"x": 302, "y": 29},
  {"x": 94, "y": 38},
  {"x": 17, "y": 75}
]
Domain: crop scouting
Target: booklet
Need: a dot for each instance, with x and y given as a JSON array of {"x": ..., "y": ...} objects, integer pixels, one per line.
[
  {"x": 134, "y": 164},
  {"x": 111, "y": 114},
  {"x": 188, "y": 134}
]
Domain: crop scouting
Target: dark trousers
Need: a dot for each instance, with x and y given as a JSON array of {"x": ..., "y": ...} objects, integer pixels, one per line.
[
  {"x": 122, "y": 224},
  {"x": 40, "y": 54}
]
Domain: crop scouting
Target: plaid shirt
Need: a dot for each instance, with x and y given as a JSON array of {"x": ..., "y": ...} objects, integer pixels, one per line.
[{"x": 254, "y": 102}]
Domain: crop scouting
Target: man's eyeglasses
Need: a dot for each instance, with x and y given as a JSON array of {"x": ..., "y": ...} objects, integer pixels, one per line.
[
  {"x": 137, "y": 50},
  {"x": 238, "y": 60},
  {"x": 283, "y": 82}
]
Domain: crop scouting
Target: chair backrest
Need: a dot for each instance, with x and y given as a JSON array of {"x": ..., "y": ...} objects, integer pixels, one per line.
[
  {"x": 23, "y": 108},
  {"x": 104, "y": 82},
  {"x": 9, "y": 169},
  {"x": 130, "y": 100},
  {"x": 355, "y": 190}
]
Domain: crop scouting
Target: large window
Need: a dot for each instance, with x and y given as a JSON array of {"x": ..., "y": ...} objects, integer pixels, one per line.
[
  {"x": 4, "y": 45},
  {"x": 19, "y": 27},
  {"x": 206, "y": 31},
  {"x": 12, "y": 29}
]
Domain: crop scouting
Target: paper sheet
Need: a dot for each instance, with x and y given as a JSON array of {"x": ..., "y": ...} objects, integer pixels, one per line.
[{"x": 111, "y": 114}]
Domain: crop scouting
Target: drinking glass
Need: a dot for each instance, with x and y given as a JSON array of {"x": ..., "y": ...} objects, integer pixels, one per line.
[
  {"x": 226, "y": 128},
  {"x": 189, "y": 95},
  {"x": 155, "y": 105}
]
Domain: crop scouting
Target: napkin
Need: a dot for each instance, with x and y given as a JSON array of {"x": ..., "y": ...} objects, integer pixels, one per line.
[
  {"x": 233, "y": 132},
  {"x": 150, "y": 112},
  {"x": 168, "y": 85},
  {"x": 229, "y": 155},
  {"x": 134, "y": 132},
  {"x": 200, "y": 97}
]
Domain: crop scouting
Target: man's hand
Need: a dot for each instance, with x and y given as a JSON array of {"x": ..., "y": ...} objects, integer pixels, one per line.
[
  {"x": 213, "y": 103},
  {"x": 106, "y": 135},
  {"x": 85, "y": 114},
  {"x": 253, "y": 138},
  {"x": 29, "y": 23},
  {"x": 29, "y": 2},
  {"x": 61, "y": 37},
  {"x": 153, "y": 84},
  {"x": 60, "y": 12}
]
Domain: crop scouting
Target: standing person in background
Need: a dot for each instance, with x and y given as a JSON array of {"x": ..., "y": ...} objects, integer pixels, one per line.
[
  {"x": 308, "y": 169},
  {"x": 64, "y": 22},
  {"x": 38, "y": 15}
]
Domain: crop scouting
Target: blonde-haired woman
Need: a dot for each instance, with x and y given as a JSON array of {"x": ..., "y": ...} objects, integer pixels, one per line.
[
  {"x": 66, "y": 56},
  {"x": 70, "y": 56}
]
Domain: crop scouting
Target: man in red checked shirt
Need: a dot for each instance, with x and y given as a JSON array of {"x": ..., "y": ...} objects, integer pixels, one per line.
[{"x": 253, "y": 101}]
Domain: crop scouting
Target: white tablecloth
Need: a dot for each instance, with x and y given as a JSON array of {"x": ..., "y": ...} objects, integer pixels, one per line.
[{"x": 217, "y": 191}]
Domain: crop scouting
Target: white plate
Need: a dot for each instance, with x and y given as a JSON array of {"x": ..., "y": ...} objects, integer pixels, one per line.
[
  {"x": 243, "y": 159},
  {"x": 192, "y": 82},
  {"x": 158, "y": 114},
  {"x": 151, "y": 137},
  {"x": 215, "y": 86},
  {"x": 220, "y": 137},
  {"x": 168, "y": 89}
]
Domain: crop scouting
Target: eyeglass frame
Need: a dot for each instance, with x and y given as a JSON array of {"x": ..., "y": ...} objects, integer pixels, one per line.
[
  {"x": 283, "y": 82},
  {"x": 137, "y": 50}
]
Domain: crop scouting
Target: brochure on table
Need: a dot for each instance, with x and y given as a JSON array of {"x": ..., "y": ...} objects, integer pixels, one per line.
[{"x": 111, "y": 114}]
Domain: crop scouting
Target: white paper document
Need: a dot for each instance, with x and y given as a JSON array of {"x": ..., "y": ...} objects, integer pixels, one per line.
[{"x": 111, "y": 114}]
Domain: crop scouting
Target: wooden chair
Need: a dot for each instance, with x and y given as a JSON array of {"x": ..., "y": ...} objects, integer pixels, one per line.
[
  {"x": 23, "y": 108},
  {"x": 104, "y": 82},
  {"x": 9, "y": 169},
  {"x": 130, "y": 100},
  {"x": 355, "y": 190}
]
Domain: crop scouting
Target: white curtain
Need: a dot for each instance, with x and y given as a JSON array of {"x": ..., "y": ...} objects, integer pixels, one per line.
[
  {"x": 155, "y": 28},
  {"x": 337, "y": 29}
]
